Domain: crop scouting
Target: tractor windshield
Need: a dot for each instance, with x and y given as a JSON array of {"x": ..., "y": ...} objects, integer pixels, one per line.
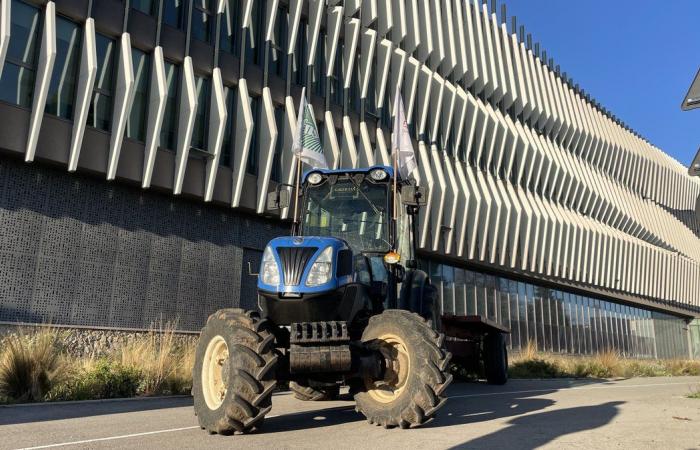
[{"x": 350, "y": 209}]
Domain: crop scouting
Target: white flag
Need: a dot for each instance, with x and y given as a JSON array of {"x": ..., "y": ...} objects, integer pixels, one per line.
[
  {"x": 401, "y": 144},
  {"x": 307, "y": 145}
]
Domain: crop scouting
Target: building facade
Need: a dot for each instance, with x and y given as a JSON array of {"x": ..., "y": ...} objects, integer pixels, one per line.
[{"x": 140, "y": 138}]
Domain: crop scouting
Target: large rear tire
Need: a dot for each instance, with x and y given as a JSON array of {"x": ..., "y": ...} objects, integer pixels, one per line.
[
  {"x": 496, "y": 358},
  {"x": 313, "y": 394},
  {"x": 234, "y": 372},
  {"x": 416, "y": 374}
]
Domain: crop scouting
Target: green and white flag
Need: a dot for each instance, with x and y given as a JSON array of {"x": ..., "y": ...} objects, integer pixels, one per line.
[{"x": 307, "y": 144}]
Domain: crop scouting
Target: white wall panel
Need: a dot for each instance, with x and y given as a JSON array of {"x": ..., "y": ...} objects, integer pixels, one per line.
[
  {"x": 185, "y": 122},
  {"x": 86, "y": 81},
  {"x": 5, "y": 11},
  {"x": 123, "y": 99},
  {"x": 47, "y": 56},
  {"x": 217, "y": 126},
  {"x": 244, "y": 135},
  {"x": 268, "y": 143}
]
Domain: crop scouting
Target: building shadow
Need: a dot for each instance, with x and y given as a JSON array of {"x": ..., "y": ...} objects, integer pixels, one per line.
[
  {"x": 42, "y": 412},
  {"x": 535, "y": 430}
]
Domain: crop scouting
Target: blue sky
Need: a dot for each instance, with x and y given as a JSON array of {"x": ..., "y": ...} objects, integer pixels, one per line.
[{"x": 636, "y": 57}]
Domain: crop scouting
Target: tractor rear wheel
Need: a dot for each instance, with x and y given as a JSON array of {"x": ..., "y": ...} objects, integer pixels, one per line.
[
  {"x": 416, "y": 371},
  {"x": 307, "y": 393},
  {"x": 234, "y": 372},
  {"x": 495, "y": 358}
]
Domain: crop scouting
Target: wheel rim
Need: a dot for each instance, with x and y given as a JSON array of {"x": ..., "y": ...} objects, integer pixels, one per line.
[
  {"x": 398, "y": 366},
  {"x": 215, "y": 367}
]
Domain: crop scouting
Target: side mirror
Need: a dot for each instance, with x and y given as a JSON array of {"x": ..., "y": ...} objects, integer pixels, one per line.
[
  {"x": 414, "y": 195},
  {"x": 692, "y": 98},
  {"x": 278, "y": 199},
  {"x": 694, "y": 169}
]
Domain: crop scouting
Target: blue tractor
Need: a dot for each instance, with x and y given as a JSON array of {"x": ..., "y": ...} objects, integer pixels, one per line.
[{"x": 341, "y": 302}]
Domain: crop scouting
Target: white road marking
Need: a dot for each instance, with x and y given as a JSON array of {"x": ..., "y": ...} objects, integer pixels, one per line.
[
  {"x": 123, "y": 436},
  {"x": 577, "y": 388}
]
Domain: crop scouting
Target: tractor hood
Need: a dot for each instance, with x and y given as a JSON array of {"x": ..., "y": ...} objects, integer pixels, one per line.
[{"x": 305, "y": 265}]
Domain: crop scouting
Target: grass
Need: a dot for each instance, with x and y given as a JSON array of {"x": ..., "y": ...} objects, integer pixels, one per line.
[
  {"x": 530, "y": 363},
  {"x": 165, "y": 367},
  {"x": 30, "y": 364},
  {"x": 34, "y": 367}
]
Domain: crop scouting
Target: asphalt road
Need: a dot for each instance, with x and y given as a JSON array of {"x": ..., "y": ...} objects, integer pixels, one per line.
[{"x": 635, "y": 413}]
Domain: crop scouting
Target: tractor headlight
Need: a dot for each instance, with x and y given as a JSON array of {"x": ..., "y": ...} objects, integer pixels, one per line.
[
  {"x": 378, "y": 174},
  {"x": 320, "y": 272},
  {"x": 270, "y": 271},
  {"x": 314, "y": 178}
]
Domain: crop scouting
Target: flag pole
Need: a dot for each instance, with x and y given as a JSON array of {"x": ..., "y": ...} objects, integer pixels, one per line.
[
  {"x": 296, "y": 197},
  {"x": 396, "y": 176}
]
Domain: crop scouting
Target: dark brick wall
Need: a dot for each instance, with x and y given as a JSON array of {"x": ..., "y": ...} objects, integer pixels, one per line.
[{"x": 82, "y": 251}]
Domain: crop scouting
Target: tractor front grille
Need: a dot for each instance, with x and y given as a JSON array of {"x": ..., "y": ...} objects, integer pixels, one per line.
[{"x": 294, "y": 260}]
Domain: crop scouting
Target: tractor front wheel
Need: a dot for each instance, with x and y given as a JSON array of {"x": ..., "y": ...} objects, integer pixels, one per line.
[
  {"x": 234, "y": 372},
  {"x": 415, "y": 371}
]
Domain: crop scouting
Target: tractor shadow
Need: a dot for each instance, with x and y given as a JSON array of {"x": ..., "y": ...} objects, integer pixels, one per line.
[
  {"x": 473, "y": 402},
  {"x": 535, "y": 430},
  {"x": 317, "y": 418}
]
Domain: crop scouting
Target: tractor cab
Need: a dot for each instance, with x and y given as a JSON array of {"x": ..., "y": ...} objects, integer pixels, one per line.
[{"x": 344, "y": 257}]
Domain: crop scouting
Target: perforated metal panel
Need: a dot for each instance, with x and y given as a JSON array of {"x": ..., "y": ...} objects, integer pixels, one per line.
[{"x": 75, "y": 250}]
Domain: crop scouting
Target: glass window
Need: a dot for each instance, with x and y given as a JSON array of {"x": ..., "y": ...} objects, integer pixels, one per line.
[
  {"x": 470, "y": 286},
  {"x": 514, "y": 316},
  {"x": 202, "y": 20},
  {"x": 252, "y": 164},
  {"x": 460, "y": 292},
  {"x": 168, "y": 131},
  {"x": 522, "y": 310},
  {"x": 531, "y": 315},
  {"x": 255, "y": 33},
  {"x": 100, "y": 113},
  {"x": 201, "y": 120},
  {"x": 17, "y": 82},
  {"x": 61, "y": 96},
  {"x": 448, "y": 288},
  {"x": 318, "y": 82},
  {"x": 136, "y": 125},
  {"x": 226, "y": 146},
  {"x": 230, "y": 37},
  {"x": 145, "y": 6},
  {"x": 503, "y": 304},
  {"x": 479, "y": 282},
  {"x": 337, "y": 76},
  {"x": 276, "y": 174},
  {"x": 490, "y": 287},
  {"x": 371, "y": 99},
  {"x": 278, "y": 47},
  {"x": 174, "y": 12},
  {"x": 301, "y": 55}
]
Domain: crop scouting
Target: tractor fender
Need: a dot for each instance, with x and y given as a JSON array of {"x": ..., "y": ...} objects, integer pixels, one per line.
[{"x": 420, "y": 296}]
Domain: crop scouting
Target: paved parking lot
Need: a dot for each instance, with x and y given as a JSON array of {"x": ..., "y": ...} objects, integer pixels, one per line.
[{"x": 634, "y": 413}]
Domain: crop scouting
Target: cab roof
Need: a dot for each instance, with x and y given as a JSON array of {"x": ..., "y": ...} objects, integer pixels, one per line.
[{"x": 340, "y": 171}]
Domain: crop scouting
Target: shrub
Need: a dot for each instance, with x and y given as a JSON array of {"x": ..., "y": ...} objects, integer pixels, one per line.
[
  {"x": 30, "y": 364},
  {"x": 166, "y": 368},
  {"x": 534, "y": 368},
  {"x": 105, "y": 379}
]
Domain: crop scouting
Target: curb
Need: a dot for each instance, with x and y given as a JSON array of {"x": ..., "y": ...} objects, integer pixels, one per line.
[{"x": 103, "y": 400}]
